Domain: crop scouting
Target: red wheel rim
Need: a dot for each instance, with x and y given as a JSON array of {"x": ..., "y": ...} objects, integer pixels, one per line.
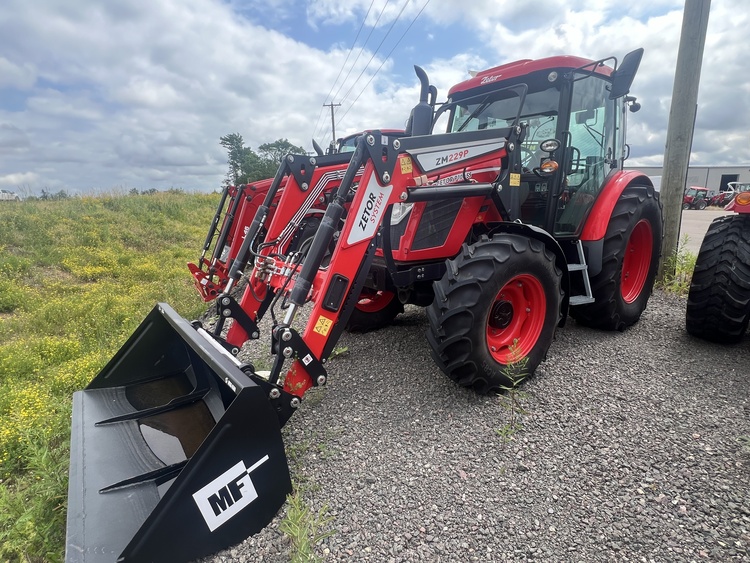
[
  {"x": 516, "y": 315},
  {"x": 374, "y": 301},
  {"x": 637, "y": 260}
]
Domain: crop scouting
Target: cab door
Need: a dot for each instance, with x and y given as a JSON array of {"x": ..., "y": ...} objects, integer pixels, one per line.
[{"x": 591, "y": 147}]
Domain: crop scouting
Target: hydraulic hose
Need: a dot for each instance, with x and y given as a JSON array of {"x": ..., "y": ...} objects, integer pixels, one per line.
[
  {"x": 327, "y": 228},
  {"x": 214, "y": 223},
  {"x": 228, "y": 224},
  {"x": 260, "y": 216}
]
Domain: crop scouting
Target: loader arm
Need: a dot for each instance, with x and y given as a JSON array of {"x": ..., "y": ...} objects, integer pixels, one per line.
[{"x": 382, "y": 171}]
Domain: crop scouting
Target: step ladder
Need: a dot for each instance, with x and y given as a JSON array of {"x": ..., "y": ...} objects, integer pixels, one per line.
[{"x": 582, "y": 267}]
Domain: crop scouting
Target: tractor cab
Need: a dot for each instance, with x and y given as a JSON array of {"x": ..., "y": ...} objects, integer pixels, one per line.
[{"x": 573, "y": 114}]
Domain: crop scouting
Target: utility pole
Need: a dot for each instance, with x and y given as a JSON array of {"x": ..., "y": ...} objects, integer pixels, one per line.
[
  {"x": 333, "y": 123},
  {"x": 682, "y": 122}
]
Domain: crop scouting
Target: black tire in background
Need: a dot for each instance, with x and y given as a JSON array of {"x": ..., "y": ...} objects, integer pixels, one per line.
[
  {"x": 718, "y": 307},
  {"x": 498, "y": 302},
  {"x": 630, "y": 260}
]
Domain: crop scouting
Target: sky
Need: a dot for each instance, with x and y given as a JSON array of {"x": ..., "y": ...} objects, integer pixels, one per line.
[{"x": 115, "y": 95}]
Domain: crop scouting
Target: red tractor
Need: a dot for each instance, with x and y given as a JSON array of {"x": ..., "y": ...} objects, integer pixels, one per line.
[
  {"x": 718, "y": 307},
  {"x": 695, "y": 198},
  {"x": 501, "y": 212}
]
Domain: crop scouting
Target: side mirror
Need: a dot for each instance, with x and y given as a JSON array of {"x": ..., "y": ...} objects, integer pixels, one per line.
[
  {"x": 585, "y": 116},
  {"x": 623, "y": 77}
]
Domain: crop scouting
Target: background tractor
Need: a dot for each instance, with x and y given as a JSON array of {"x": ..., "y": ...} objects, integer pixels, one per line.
[
  {"x": 695, "y": 198},
  {"x": 502, "y": 212},
  {"x": 718, "y": 307},
  {"x": 733, "y": 188}
]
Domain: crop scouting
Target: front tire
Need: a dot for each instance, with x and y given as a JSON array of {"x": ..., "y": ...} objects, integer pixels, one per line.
[
  {"x": 498, "y": 302},
  {"x": 630, "y": 259},
  {"x": 718, "y": 306}
]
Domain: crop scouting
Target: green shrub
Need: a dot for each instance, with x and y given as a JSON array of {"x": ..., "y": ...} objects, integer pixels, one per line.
[{"x": 678, "y": 270}]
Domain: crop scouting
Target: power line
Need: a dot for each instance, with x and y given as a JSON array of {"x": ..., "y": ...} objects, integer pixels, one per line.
[
  {"x": 384, "y": 60},
  {"x": 377, "y": 49},
  {"x": 375, "y": 25},
  {"x": 362, "y": 25},
  {"x": 382, "y": 11}
]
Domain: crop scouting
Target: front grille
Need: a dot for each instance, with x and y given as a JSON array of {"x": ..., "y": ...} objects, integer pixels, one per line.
[{"x": 436, "y": 223}]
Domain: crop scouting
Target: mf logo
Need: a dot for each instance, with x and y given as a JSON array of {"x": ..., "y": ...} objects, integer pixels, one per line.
[{"x": 226, "y": 495}]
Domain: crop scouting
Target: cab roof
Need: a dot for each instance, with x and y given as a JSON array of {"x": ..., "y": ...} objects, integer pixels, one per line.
[{"x": 525, "y": 67}]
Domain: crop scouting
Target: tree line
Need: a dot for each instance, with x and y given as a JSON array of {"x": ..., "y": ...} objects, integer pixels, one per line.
[{"x": 247, "y": 165}]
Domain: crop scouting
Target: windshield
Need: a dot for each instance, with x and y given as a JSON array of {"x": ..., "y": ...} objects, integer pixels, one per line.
[
  {"x": 499, "y": 110},
  {"x": 348, "y": 144}
]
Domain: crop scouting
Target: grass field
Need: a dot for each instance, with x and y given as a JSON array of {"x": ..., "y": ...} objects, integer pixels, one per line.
[{"x": 77, "y": 276}]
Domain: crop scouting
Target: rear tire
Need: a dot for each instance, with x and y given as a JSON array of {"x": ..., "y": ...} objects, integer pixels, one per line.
[
  {"x": 718, "y": 306},
  {"x": 630, "y": 259},
  {"x": 374, "y": 310},
  {"x": 701, "y": 205},
  {"x": 498, "y": 302}
]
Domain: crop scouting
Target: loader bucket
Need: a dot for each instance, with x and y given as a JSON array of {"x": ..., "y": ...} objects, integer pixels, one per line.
[{"x": 175, "y": 452}]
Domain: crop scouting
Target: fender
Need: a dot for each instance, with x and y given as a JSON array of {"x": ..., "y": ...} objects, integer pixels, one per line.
[
  {"x": 598, "y": 219},
  {"x": 741, "y": 206}
]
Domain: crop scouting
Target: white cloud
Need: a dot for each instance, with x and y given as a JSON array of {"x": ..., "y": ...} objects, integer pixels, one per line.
[
  {"x": 138, "y": 93},
  {"x": 19, "y": 179},
  {"x": 12, "y": 139},
  {"x": 13, "y": 75}
]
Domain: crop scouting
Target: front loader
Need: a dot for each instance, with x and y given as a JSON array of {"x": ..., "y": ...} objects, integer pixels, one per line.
[{"x": 516, "y": 213}]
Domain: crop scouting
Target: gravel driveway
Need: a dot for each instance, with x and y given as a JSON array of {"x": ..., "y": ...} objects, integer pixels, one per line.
[{"x": 630, "y": 449}]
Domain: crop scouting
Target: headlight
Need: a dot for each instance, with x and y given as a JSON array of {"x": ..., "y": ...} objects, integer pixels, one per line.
[
  {"x": 550, "y": 145},
  {"x": 400, "y": 212}
]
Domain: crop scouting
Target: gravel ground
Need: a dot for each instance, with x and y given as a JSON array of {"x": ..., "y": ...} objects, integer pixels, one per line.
[{"x": 630, "y": 449}]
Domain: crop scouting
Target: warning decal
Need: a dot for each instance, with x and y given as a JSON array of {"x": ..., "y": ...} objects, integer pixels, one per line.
[
  {"x": 323, "y": 325},
  {"x": 406, "y": 165}
]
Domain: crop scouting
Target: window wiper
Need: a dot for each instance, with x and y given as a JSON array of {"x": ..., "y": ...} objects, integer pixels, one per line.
[
  {"x": 596, "y": 135},
  {"x": 480, "y": 108}
]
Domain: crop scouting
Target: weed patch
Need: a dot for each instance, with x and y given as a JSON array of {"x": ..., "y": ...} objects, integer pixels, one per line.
[
  {"x": 678, "y": 270},
  {"x": 511, "y": 399},
  {"x": 304, "y": 529}
]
